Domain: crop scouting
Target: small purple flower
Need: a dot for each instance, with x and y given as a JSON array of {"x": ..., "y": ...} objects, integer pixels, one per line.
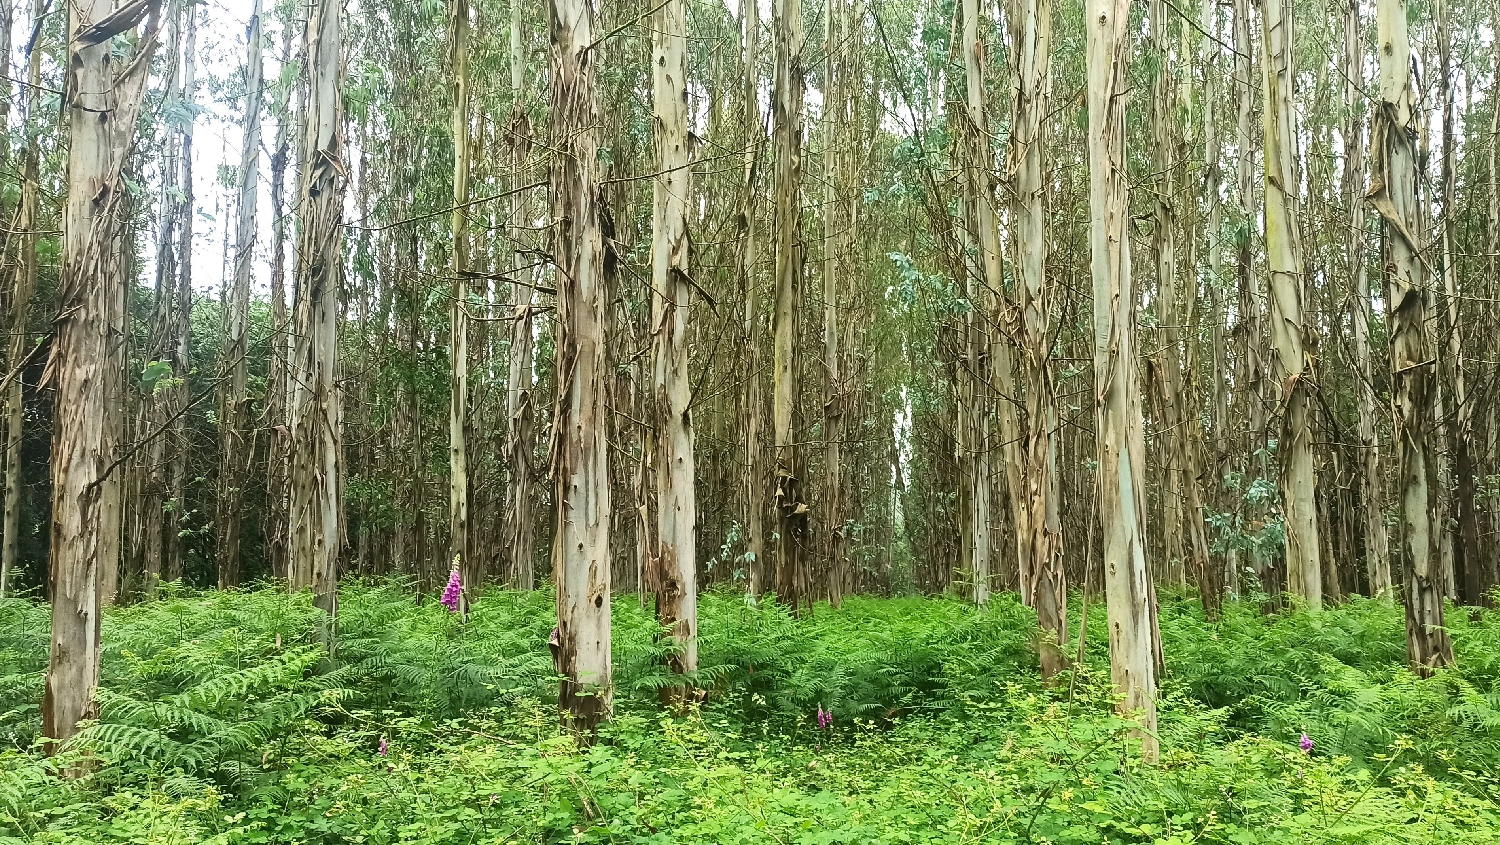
[
  {"x": 1306, "y": 743},
  {"x": 383, "y": 747},
  {"x": 451, "y": 592},
  {"x": 825, "y": 718}
]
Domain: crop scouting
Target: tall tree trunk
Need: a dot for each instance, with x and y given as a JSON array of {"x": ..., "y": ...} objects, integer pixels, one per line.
[
  {"x": 1252, "y": 361},
  {"x": 1454, "y": 373},
  {"x": 278, "y": 453},
  {"x": 103, "y": 96},
  {"x": 20, "y": 310},
  {"x": 460, "y": 551},
  {"x": 754, "y": 482},
  {"x": 176, "y": 398},
  {"x": 1394, "y": 195},
  {"x": 580, "y": 460},
  {"x": 1030, "y": 52},
  {"x": 1377, "y": 559},
  {"x": 519, "y": 409},
  {"x": 672, "y": 568},
  {"x": 234, "y": 437},
  {"x": 1224, "y": 576},
  {"x": 315, "y": 418},
  {"x": 1131, "y": 608},
  {"x": 1297, "y": 480},
  {"x": 791, "y": 575},
  {"x": 836, "y": 55}
]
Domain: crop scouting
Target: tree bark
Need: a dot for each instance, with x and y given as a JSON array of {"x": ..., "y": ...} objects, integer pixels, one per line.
[
  {"x": 460, "y": 551},
  {"x": 580, "y": 557},
  {"x": 1393, "y": 192},
  {"x": 754, "y": 481},
  {"x": 790, "y": 88},
  {"x": 519, "y": 408},
  {"x": 315, "y": 417},
  {"x": 20, "y": 307},
  {"x": 103, "y": 99},
  {"x": 672, "y": 568},
  {"x": 1296, "y": 479},
  {"x": 1372, "y": 492},
  {"x": 1131, "y": 608},
  {"x": 1046, "y": 590},
  {"x": 234, "y": 437}
]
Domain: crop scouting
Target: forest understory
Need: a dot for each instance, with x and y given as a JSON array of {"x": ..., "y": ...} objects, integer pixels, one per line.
[{"x": 889, "y": 720}]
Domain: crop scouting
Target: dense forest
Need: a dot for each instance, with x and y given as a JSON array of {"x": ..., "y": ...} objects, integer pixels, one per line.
[{"x": 340, "y": 339}]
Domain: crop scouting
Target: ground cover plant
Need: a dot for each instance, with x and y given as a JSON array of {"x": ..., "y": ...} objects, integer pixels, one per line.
[{"x": 886, "y": 720}]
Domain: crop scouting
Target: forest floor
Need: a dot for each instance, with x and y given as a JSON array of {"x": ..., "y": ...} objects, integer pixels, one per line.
[{"x": 222, "y": 722}]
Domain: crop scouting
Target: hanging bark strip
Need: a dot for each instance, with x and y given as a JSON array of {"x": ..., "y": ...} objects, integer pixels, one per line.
[
  {"x": 580, "y": 556},
  {"x": 1393, "y": 193}
]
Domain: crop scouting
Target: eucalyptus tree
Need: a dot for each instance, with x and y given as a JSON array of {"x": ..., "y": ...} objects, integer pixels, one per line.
[
  {"x": 519, "y": 395},
  {"x": 234, "y": 437},
  {"x": 105, "y": 90},
  {"x": 672, "y": 570},
  {"x": 753, "y": 482},
  {"x": 1121, "y": 449},
  {"x": 1030, "y": 78},
  {"x": 972, "y": 374},
  {"x": 580, "y": 458},
  {"x": 789, "y": 92},
  {"x": 19, "y": 305},
  {"x": 1372, "y": 493},
  {"x": 1394, "y": 195},
  {"x": 460, "y": 550},
  {"x": 316, "y": 473},
  {"x": 1296, "y": 481}
]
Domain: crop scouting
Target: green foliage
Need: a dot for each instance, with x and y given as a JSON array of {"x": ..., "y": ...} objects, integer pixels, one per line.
[{"x": 221, "y": 722}]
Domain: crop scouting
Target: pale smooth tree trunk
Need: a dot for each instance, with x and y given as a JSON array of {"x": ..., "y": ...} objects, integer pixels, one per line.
[
  {"x": 316, "y": 474},
  {"x": 103, "y": 99},
  {"x": 1372, "y": 491},
  {"x": 973, "y": 420},
  {"x": 176, "y": 397},
  {"x": 753, "y": 483},
  {"x": 991, "y": 364},
  {"x": 580, "y": 458},
  {"x": 1128, "y": 595},
  {"x": 836, "y": 57},
  {"x": 278, "y": 456},
  {"x": 1030, "y": 54},
  {"x": 234, "y": 437},
  {"x": 1393, "y": 192},
  {"x": 790, "y": 90},
  {"x": 1297, "y": 479},
  {"x": 20, "y": 307},
  {"x": 1222, "y": 576},
  {"x": 671, "y": 572},
  {"x": 519, "y": 408},
  {"x": 460, "y": 551},
  {"x": 1252, "y": 356},
  {"x": 1474, "y": 581}
]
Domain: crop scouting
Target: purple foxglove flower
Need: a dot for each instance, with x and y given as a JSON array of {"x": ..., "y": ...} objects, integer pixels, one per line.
[
  {"x": 452, "y": 592},
  {"x": 1306, "y": 743},
  {"x": 383, "y": 747}
]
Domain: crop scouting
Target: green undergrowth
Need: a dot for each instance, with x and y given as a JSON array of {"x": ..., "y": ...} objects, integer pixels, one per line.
[{"x": 222, "y": 721}]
